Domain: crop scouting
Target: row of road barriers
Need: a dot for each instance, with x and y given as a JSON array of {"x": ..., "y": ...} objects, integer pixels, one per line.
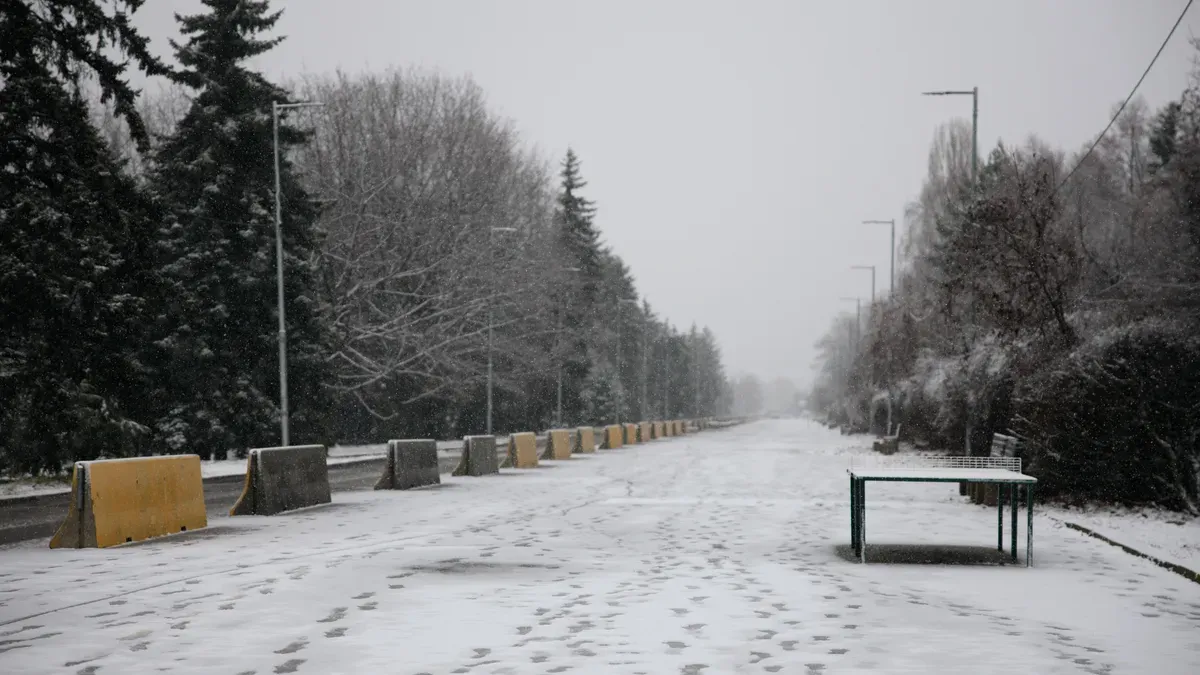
[{"x": 119, "y": 501}]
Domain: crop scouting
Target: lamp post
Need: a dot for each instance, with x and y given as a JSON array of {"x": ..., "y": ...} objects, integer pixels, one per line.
[
  {"x": 491, "y": 322},
  {"x": 974, "y": 94},
  {"x": 857, "y": 317},
  {"x": 666, "y": 375},
  {"x": 892, "y": 269},
  {"x": 558, "y": 339},
  {"x": 696, "y": 370},
  {"x": 645, "y": 364},
  {"x": 283, "y": 384},
  {"x": 621, "y": 360},
  {"x": 872, "y": 268}
]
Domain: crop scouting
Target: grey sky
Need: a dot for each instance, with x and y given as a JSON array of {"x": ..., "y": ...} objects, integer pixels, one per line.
[{"x": 733, "y": 147}]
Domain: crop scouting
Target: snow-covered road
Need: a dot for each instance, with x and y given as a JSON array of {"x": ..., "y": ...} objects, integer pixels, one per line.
[{"x": 713, "y": 553}]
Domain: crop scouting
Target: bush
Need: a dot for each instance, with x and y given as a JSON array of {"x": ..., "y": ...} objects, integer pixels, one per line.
[{"x": 1117, "y": 419}]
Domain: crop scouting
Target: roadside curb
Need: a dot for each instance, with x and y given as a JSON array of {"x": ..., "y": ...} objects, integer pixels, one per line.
[
  {"x": 212, "y": 480},
  {"x": 1182, "y": 571}
]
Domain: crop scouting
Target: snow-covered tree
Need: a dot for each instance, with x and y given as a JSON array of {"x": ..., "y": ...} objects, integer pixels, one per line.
[
  {"x": 219, "y": 335},
  {"x": 77, "y": 286}
]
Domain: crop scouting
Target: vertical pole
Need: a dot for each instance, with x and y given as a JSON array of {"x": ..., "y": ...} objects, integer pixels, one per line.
[
  {"x": 999, "y": 487},
  {"x": 892, "y": 271},
  {"x": 1012, "y": 497},
  {"x": 857, "y": 321},
  {"x": 645, "y": 365},
  {"x": 620, "y": 363},
  {"x": 667, "y": 381},
  {"x": 283, "y": 386},
  {"x": 558, "y": 416},
  {"x": 872, "y": 291},
  {"x": 489, "y": 370},
  {"x": 853, "y": 516},
  {"x": 862, "y": 521},
  {"x": 975, "y": 133},
  {"x": 1029, "y": 524}
]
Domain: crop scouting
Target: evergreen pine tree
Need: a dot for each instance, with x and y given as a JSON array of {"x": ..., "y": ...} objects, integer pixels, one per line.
[
  {"x": 216, "y": 173},
  {"x": 580, "y": 244},
  {"x": 580, "y": 239},
  {"x": 601, "y": 393},
  {"x": 76, "y": 275}
]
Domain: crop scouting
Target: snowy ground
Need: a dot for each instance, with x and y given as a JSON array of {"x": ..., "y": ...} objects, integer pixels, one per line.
[
  {"x": 1167, "y": 536},
  {"x": 714, "y": 553}
]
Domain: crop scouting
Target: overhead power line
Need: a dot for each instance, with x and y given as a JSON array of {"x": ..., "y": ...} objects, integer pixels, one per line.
[{"x": 1127, "y": 98}]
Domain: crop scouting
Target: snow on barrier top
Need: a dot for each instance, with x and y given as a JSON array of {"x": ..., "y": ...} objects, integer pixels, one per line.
[{"x": 939, "y": 468}]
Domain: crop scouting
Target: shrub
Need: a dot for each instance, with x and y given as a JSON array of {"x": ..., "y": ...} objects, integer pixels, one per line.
[{"x": 1117, "y": 419}]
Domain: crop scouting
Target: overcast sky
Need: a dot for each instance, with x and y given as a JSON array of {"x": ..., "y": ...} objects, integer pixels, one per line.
[{"x": 733, "y": 147}]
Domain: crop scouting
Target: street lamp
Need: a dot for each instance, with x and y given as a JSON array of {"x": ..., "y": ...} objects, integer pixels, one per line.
[
  {"x": 621, "y": 361},
  {"x": 974, "y": 94},
  {"x": 696, "y": 370},
  {"x": 892, "y": 270},
  {"x": 872, "y": 268},
  {"x": 558, "y": 339},
  {"x": 665, "y": 338},
  {"x": 857, "y": 316},
  {"x": 492, "y": 267},
  {"x": 283, "y": 385}
]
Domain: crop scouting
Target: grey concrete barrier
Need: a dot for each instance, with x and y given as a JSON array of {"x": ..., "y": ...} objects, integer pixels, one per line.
[
  {"x": 410, "y": 464},
  {"x": 478, "y": 457},
  {"x": 284, "y": 479}
]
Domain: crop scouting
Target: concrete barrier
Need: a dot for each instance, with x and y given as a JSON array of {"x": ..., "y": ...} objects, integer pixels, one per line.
[
  {"x": 478, "y": 457},
  {"x": 644, "y": 433},
  {"x": 116, "y": 501},
  {"x": 410, "y": 464},
  {"x": 585, "y": 440},
  {"x": 558, "y": 444},
  {"x": 659, "y": 431},
  {"x": 614, "y": 437},
  {"x": 677, "y": 427},
  {"x": 284, "y": 479},
  {"x": 630, "y": 431},
  {"x": 522, "y": 451}
]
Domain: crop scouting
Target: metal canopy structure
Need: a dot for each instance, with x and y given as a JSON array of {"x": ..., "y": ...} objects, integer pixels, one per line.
[{"x": 1003, "y": 472}]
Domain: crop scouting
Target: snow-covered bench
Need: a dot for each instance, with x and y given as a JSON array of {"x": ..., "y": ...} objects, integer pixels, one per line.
[
  {"x": 888, "y": 445},
  {"x": 1003, "y": 445}
]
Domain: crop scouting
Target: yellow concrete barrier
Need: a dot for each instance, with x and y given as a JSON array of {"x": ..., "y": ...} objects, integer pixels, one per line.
[
  {"x": 630, "y": 433},
  {"x": 558, "y": 444},
  {"x": 116, "y": 501},
  {"x": 585, "y": 440},
  {"x": 676, "y": 428},
  {"x": 644, "y": 432},
  {"x": 522, "y": 451},
  {"x": 613, "y": 437}
]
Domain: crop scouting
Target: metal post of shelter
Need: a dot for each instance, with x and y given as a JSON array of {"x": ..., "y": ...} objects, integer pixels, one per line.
[
  {"x": 999, "y": 516},
  {"x": 853, "y": 517},
  {"x": 1012, "y": 498},
  {"x": 862, "y": 521},
  {"x": 1029, "y": 525}
]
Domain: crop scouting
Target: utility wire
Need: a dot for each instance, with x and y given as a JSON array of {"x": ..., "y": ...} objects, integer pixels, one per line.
[{"x": 1127, "y": 98}]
